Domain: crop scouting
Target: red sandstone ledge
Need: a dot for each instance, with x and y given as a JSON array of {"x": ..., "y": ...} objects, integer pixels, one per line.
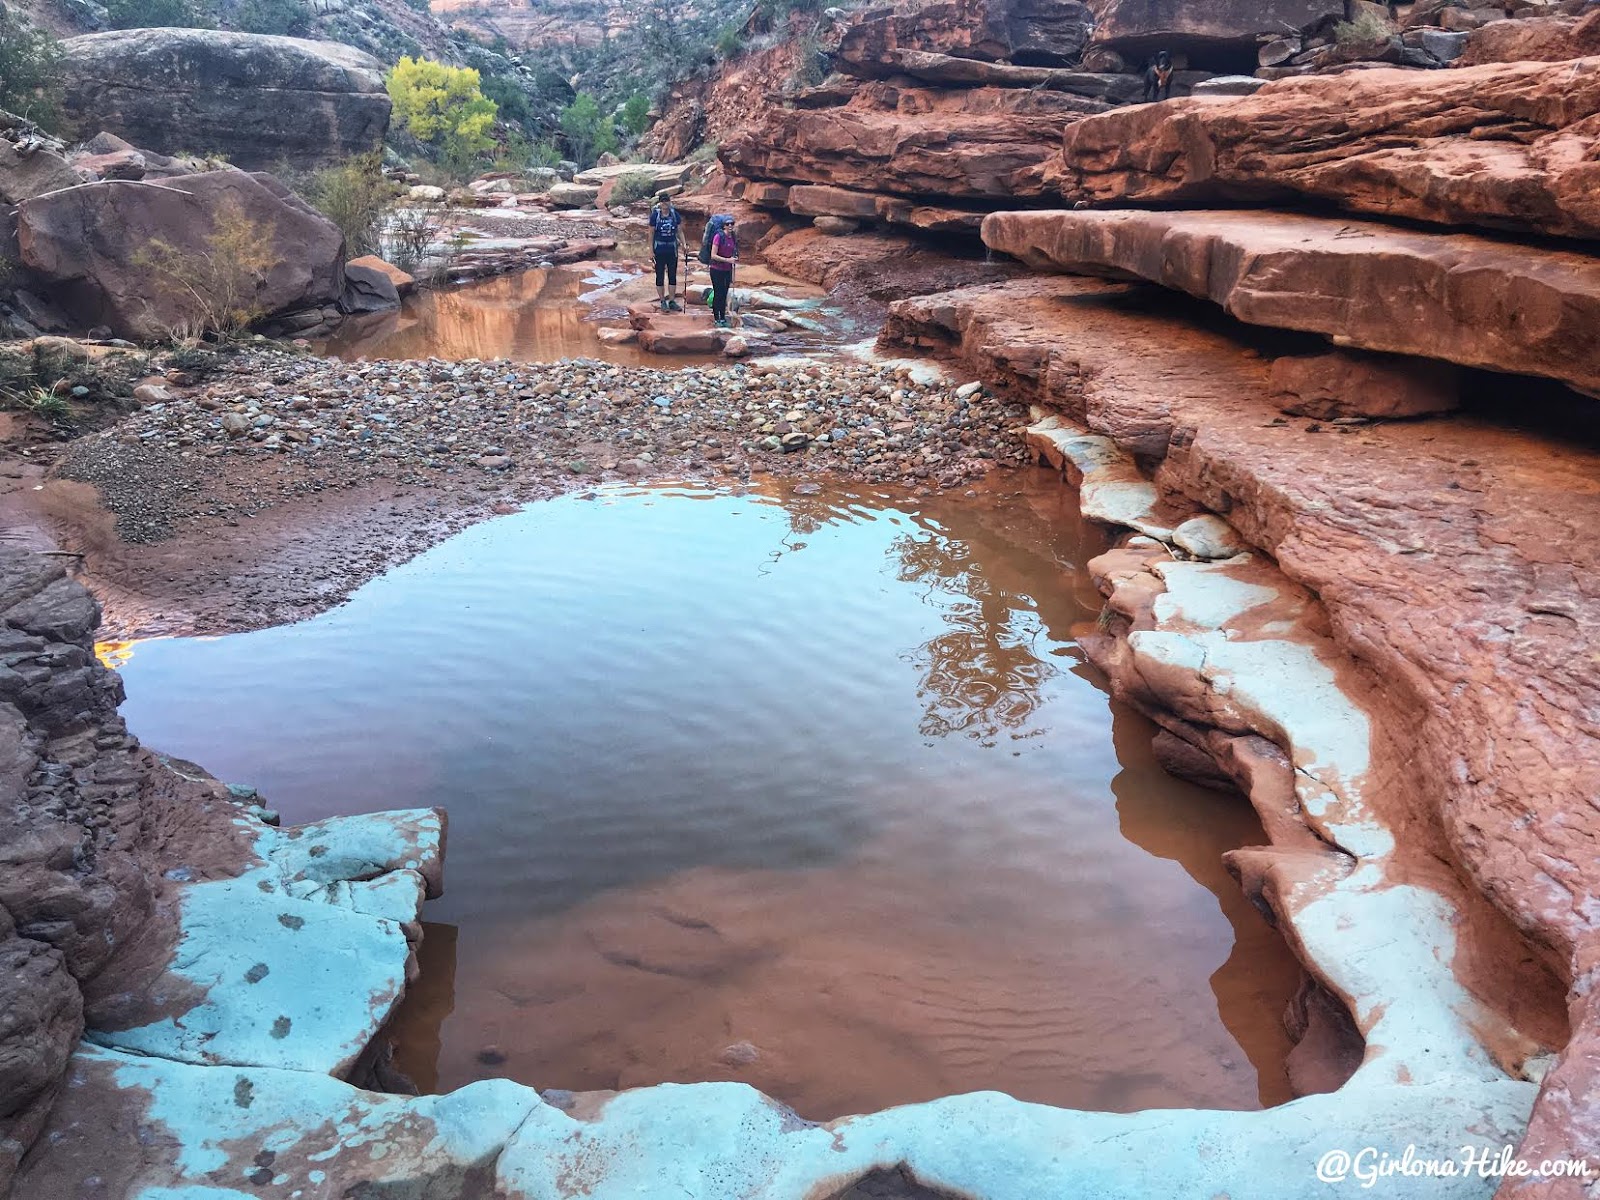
[{"x": 1459, "y": 297}]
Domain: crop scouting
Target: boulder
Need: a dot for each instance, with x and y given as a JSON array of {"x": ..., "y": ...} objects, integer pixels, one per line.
[
  {"x": 253, "y": 99},
  {"x": 662, "y": 175},
  {"x": 1024, "y": 32},
  {"x": 1464, "y": 299},
  {"x": 1505, "y": 145},
  {"x": 30, "y": 168},
  {"x": 1224, "y": 32},
  {"x": 1228, "y": 85},
  {"x": 367, "y": 289},
  {"x": 403, "y": 282},
  {"x": 1535, "y": 39},
  {"x": 573, "y": 195},
  {"x": 94, "y": 243},
  {"x": 835, "y": 225},
  {"x": 946, "y": 70}
]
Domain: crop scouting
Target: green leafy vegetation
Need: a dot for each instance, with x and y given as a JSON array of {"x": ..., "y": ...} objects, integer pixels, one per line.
[
  {"x": 636, "y": 113},
  {"x": 589, "y": 133},
  {"x": 1368, "y": 26},
  {"x": 354, "y": 196},
  {"x": 444, "y": 108},
  {"x": 635, "y": 185},
  {"x": 28, "y": 60},
  {"x": 288, "y": 18},
  {"x": 156, "y": 14}
]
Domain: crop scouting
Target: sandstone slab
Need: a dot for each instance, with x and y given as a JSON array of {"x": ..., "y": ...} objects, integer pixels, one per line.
[
  {"x": 1457, "y": 297},
  {"x": 950, "y": 147},
  {"x": 1534, "y": 39},
  {"x": 1138, "y": 28},
  {"x": 93, "y": 244},
  {"x": 1025, "y": 32},
  {"x": 254, "y": 99},
  {"x": 1442, "y": 551},
  {"x": 1506, "y": 145}
]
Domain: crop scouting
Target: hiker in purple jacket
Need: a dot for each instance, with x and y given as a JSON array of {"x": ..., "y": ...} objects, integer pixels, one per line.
[{"x": 724, "y": 255}]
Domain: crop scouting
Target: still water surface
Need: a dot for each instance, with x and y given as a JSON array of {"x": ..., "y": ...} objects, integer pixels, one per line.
[{"x": 815, "y": 792}]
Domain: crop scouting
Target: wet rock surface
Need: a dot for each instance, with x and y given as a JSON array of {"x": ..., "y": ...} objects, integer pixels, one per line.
[{"x": 1442, "y": 549}]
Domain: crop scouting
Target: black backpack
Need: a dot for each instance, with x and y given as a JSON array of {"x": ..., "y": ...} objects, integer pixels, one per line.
[
  {"x": 713, "y": 227},
  {"x": 667, "y": 227}
]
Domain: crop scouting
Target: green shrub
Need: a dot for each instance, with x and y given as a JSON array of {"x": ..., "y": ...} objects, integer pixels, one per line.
[
  {"x": 28, "y": 61},
  {"x": 810, "y": 64},
  {"x": 354, "y": 196},
  {"x": 635, "y": 185},
  {"x": 288, "y": 18},
  {"x": 1367, "y": 27},
  {"x": 729, "y": 42},
  {"x": 636, "y": 113},
  {"x": 588, "y": 131},
  {"x": 155, "y": 14}
]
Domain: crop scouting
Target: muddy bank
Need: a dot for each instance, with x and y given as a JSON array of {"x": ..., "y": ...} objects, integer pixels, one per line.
[{"x": 273, "y": 490}]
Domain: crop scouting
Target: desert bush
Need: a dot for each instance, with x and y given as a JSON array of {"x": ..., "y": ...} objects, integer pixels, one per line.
[
  {"x": 289, "y": 18},
  {"x": 635, "y": 185},
  {"x": 155, "y": 14},
  {"x": 636, "y": 113},
  {"x": 213, "y": 288},
  {"x": 407, "y": 235},
  {"x": 703, "y": 153},
  {"x": 810, "y": 63},
  {"x": 28, "y": 61},
  {"x": 1368, "y": 26},
  {"x": 42, "y": 380},
  {"x": 354, "y": 196}
]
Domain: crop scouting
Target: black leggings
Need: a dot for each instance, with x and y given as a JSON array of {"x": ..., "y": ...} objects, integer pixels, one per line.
[
  {"x": 667, "y": 266},
  {"x": 719, "y": 293}
]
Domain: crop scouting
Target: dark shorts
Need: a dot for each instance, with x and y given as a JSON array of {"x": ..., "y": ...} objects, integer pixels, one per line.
[{"x": 666, "y": 265}]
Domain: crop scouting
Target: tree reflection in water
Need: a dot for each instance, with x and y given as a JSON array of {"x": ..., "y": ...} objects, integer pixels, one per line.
[{"x": 982, "y": 677}]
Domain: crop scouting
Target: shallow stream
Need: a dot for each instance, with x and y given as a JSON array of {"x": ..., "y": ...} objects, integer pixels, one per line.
[{"x": 811, "y": 791}]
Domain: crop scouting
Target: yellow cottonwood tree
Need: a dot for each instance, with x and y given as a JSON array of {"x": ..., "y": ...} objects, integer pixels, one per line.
[{"x": 441, "y": 104}]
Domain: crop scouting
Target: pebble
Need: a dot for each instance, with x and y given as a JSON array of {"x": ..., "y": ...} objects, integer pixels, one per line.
[{"x": 272, "y": 425}]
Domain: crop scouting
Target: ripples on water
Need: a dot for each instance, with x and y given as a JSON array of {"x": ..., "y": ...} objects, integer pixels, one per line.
[{"x": 815, "y": 792}]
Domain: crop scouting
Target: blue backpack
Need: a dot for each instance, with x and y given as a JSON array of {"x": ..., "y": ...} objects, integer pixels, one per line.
[{"x": 713, "y": 227}]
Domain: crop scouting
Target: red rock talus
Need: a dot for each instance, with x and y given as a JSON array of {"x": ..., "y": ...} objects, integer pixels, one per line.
[
  {"x": 1465, "y": 299},
  {"x": 1507, "y": 145}
]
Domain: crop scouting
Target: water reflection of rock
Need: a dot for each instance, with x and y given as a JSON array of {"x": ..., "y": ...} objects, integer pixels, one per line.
[
  {"x": 982, "y": 677},
  {"x": 531, "y": 316}
]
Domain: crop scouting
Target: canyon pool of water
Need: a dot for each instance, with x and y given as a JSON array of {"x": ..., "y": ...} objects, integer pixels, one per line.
[{"x": 815, "y": 792}]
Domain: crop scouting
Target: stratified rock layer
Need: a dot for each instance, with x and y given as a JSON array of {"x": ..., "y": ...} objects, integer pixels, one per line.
[
  {"x": 1508, "y": 145},
  {"x": 1025, "y": 32},
  {"x": 1138, "y": 28},
  {"x": 1465, "y": 299},
  {"x": 962, "y": 146},
  {"x": 255, "y": 99},
  {"x": 1455, "y": 563}
]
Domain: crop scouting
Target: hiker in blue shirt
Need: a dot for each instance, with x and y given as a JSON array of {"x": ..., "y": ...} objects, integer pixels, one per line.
[{"x": 664, "y": 223}]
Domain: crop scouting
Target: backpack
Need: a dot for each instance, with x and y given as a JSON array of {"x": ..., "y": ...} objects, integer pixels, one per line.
[
  {"x": 666, "y": 233},
  {"x": 713, "y": 227}
]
